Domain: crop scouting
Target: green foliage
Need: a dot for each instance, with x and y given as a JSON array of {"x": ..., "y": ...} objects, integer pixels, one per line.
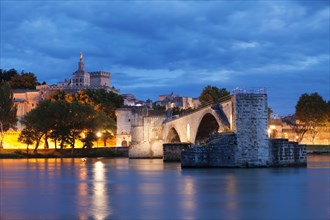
[
  {"x": 6, "y": 75},
  {"x": 27, "y": 136},
  {"x": 312, "y": 110},
  {"x": 106, "y": 125},
  {"x": 68, "y": 117},
  {"x": 212, "y": 94},
  {"x": 159, "y": 107},
  {"x": 88, "y": 139},
  {"x": 177, "y": 110},
  {"x": 19, "y": 81},
  {"x": 8, "y": 110},
  {"x": 100, "y": 100},
  {"x": 270, "y": 112}
]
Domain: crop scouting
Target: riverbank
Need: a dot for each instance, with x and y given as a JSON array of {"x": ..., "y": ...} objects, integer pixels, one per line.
[
  {"x": 105, "y": 152},
  {"x": 318, "y": 149},
  {"x": 65, "y": 153}
]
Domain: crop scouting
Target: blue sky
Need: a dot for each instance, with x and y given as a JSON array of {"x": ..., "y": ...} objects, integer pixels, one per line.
[{"x": 159, "y": 47}]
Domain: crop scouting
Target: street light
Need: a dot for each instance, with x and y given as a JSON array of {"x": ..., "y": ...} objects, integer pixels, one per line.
[{"x": 98, "y": 135}]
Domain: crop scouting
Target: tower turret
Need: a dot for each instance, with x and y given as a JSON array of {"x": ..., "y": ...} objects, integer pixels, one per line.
[
  {"x": 81, "y": 77},
  {"x": 81, "y": 63}
]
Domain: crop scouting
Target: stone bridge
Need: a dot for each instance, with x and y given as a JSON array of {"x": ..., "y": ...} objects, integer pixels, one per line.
[
  {"x": 196, "y": 126},
  {"x": 242, "y": 113}
]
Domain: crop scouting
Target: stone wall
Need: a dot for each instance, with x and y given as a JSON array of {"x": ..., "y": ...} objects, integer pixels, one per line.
[
  {"x": 222, "y": 148},
  {"x": 286, "y": 153},
  {"x": 146, "y": 133},
  {"x": 219, "y": 152},
  {"x": 172, "y": 151},
  {"x": 250, "y": 121},
  {"x": 124, "y": 124}
]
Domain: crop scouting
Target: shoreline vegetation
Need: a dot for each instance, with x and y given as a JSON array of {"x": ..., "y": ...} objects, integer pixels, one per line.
[
  {"x": 102, "y": 152},
  {"x": 64, "y": 153}
]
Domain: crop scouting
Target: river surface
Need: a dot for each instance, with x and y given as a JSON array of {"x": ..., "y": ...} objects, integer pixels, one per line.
[{"x": 104, "y": 188}]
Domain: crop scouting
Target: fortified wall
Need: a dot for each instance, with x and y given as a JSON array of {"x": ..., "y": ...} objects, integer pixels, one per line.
[{"x": 142, "y": 128}]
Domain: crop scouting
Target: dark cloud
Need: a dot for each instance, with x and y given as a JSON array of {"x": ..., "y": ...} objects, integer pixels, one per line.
[{"x": 159, "y": 47}]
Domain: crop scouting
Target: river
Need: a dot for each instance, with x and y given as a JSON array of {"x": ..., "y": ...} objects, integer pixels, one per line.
[{"x": 103, "y": 188}]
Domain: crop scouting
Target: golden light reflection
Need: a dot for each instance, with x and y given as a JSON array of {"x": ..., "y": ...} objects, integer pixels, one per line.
[
  {"x": 100, "y": 199},
  {"x": 231, "y": 191},
  {"x": 83, "y": 192},
  {"x": 189, "y": 203}
]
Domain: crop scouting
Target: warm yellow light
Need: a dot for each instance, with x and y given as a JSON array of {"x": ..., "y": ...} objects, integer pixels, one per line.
[
  {"x": 272, "y": 126},
  {"x": 98, "y": 134},
  {"x": 188, "y": 132}
]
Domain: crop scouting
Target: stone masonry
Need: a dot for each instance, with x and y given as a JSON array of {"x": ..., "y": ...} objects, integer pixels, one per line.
[
  {"x": 146, "y": 133},
  {"x": 172, "y": 151},
  {"x": 219, "y": 152},
  {"x": 250, "y": 125},
  {"x": 286, "y": 153}
]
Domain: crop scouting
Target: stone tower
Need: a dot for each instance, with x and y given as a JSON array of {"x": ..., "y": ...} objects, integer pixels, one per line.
[{"x": 80, "y": 77}]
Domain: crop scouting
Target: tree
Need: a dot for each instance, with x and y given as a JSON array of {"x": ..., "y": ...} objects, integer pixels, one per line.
[
  {"x": 88, "y": 139},
  {"x": 80, "y": 118},
  {"x": 312, "y": 111},
  {"x": 297, "y": 126},
  {"x": 27, "y": 136},
  {"x": 25, "y": 80},
  {"x": 106, "y": 125},
  {"x": 8, "y": 111},
  {"x": 6, "y": 75},
  {"x": 212, "y": 94},
  {"x": 270, "y": 112},
  {"x": 32, "y": 122}
]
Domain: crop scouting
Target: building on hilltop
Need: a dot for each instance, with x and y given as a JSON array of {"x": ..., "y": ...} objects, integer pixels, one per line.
[
  {"x": 174, "y": 100},
  {"x": 81, "y": 79},
  {"x": 27, "y": 99}
]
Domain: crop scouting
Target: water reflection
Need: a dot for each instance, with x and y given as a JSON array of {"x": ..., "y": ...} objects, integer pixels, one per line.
[
  {"x": 100, "y": 194},
  {"x": 151, "y": 189},
  {"x": 231, "y": 191},
  {"x": 189, "y": 201},
  {"x": 83, "y": 201}
]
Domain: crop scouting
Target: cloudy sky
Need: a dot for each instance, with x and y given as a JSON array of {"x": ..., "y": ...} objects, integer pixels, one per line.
[{"x": 159, "y": 47}]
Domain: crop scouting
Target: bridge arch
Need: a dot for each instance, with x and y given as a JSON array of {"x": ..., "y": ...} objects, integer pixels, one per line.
[
  {"x": 173, "y": 136},
  {"x": 208, "y": 124}
]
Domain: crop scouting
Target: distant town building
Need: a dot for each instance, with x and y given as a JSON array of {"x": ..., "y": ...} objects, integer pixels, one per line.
[
  {"x": 130, "y": 100},
  {"x": 174, "y": 100}
]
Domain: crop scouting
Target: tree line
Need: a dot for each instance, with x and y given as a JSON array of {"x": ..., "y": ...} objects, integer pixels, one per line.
[
  {"x": 16, "y": 80},
  {"x": 62, "y": 117},
  {"x": 65, "y": 118}
]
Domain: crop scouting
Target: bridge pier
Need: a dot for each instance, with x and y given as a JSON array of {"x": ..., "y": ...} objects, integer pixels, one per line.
[{"x": 250, "y": 125}]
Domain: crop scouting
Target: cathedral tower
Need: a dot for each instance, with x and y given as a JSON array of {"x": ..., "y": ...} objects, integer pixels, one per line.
[{"x": 81, "y": 78}]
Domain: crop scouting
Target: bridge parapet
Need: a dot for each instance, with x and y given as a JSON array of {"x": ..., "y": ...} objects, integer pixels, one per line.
[{"x": 205, "y": 106}]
